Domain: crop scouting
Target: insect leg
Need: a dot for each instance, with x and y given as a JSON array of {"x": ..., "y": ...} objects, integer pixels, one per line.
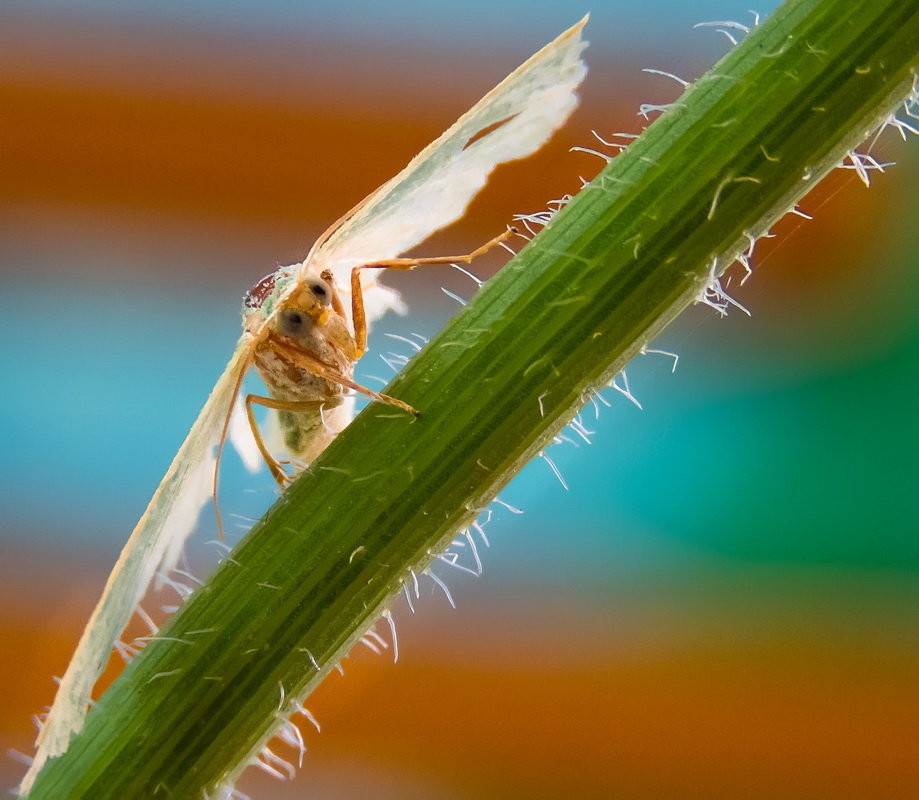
[
  {"x": 337, "y": 305},
  {"x": 277, "y": 471},
  {"x": 309, "y": 362},
  {"x": 357, "y": 292}
]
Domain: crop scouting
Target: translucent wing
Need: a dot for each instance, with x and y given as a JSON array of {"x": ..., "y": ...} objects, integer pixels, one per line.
[
  {"x": 510, "y": 122},
  {"x": 155, "y": 544}
]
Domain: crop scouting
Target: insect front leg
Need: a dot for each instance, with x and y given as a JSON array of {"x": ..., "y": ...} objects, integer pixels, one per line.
[
  {"x": 314, "y": 366},
  {"x": 357, "y": 291}
]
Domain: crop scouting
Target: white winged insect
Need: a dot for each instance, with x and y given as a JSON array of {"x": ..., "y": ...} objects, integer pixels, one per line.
[{"x": 296, "y": 331}]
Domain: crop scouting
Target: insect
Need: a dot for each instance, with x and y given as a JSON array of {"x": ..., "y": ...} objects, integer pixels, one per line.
[
  {"x": 306, "y": 355},
  {"x": 295, "y": 328}
]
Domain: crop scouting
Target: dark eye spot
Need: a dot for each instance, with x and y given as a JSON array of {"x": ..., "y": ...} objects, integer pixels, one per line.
[
  {"x": 320, "y": 292},
  {"x": 291, "y": 322}
]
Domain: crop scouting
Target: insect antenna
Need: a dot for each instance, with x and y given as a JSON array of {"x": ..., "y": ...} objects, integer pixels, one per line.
[{"x": 222, "y": 440}]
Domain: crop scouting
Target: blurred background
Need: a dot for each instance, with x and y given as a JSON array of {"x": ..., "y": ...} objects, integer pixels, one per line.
[{"x": 725, "y": 601}]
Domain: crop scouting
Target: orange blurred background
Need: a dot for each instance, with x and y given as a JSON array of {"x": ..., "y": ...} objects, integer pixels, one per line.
[{"x": 725, "y": 602}]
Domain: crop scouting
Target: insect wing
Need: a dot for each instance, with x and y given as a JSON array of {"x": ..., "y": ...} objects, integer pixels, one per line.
[
  {"x": 155, "y": 545},
  {"x": 510, "y": 122}
]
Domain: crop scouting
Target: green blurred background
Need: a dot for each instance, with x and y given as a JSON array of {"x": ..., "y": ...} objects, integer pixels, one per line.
[{"x": 724, "y": 603}]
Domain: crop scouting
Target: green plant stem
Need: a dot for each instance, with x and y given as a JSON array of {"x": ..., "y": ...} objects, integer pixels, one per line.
[{"x": 615, "y": 266}]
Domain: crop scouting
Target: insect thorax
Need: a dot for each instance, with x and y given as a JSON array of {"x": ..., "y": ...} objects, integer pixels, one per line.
[
  {"x": 303, "y": 341},
  {"x": 305, "y": 431}
]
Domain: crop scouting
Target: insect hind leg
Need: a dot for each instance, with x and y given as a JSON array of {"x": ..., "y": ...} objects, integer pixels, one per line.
[{"x": 357, "y": 291}]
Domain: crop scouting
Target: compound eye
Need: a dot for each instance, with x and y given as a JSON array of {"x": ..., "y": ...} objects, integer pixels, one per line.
[
  {"x": 292, "y": 322},
  {"x": 321, "y": 292}
]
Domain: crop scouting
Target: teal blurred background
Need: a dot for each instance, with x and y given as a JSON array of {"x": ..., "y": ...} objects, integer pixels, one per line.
[{"x": 725, "y": 601}]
